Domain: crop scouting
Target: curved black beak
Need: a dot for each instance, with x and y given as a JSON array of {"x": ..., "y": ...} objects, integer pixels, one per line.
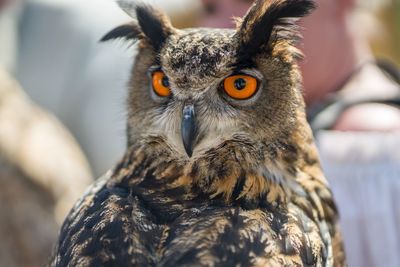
[{"x": 188, "y": 128}]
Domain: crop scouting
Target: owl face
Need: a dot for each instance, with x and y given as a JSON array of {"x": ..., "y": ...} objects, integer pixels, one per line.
[{"x": 195, "y": 89}]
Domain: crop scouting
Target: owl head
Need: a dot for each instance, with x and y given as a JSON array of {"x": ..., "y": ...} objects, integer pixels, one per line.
[{"x": 194, "y": 90}]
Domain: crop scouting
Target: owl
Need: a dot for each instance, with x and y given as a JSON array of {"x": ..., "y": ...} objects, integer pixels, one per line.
[{"x": 220, "y": 167}]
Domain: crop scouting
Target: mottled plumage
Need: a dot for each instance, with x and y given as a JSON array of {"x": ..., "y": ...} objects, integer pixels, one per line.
[{"x": 244, "y": 188}]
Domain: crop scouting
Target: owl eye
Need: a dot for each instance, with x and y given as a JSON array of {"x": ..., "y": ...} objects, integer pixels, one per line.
[
  {"x": 240, "y": 87},
  {"x": 160, "y": 84}
]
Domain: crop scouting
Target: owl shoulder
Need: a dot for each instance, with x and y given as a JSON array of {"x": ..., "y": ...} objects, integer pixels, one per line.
[{"x": 106, "y": 226}]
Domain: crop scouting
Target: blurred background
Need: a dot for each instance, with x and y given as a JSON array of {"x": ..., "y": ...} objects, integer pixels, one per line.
[
  {"x": 62, "y": 114},
  {"x": 386, "y": 42}
]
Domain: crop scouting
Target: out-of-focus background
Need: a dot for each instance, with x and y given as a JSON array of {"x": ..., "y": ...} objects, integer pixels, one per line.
[
  {"x": 62, "y": 114},
  {"x": 386, "y": 41}
]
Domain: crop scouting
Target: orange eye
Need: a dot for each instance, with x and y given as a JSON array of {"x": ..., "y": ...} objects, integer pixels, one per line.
[
  {"x": 160, "y": 84},
  {"x": 240, "y": 86}
]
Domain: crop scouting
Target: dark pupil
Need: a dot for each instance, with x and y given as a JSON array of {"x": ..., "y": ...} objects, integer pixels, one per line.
[
  {"x": 240, "y": 83},
  {"x": 165, "y": 81}
]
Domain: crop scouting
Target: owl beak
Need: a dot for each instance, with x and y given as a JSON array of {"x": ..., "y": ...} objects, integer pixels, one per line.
[{"x": 188, "y": 128}]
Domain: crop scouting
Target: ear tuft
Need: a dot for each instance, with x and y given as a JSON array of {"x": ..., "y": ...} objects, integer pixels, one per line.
[
  {"x": 125, "y": 31},
  {"x": 268, "y": 22},
  {"x": 154, "y": 24}
]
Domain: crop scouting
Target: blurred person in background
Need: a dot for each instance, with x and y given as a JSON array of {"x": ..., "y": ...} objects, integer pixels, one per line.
[
  {"x": 358, "y": 99},
  {"x": 42, "y": 169}
]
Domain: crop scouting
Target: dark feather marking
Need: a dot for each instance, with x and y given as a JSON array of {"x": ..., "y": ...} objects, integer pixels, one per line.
[
  {"x": 130, "y": 32},
  {"x": 72, "y": 230},
  {"x": 240, "y": 182},
  {"x": 309, "y": 160},
  {"x": 126, "y": 204},
  {"x": 176, "y": 228},
  {"x": 278, "y": 220},
  {"x": 221, "y": 169},
  {"x": 149, "y": 179},
  {"x": 288, "y": 247},
  {"x": 120, "y": 191},
  {"x": 83, "y": 236},
  {"x": 292, "y": 170},
  {"x": 138, "y": 172},
  {"x": 113, "y": 230},
  {"x": 156, "y": 212},
  {"x": 82, "y": 231},
  {"x": 306, "y": 254},
  {"x": 324, "y": 252},
  {"x": 231, "y": 237},
  {"x": 175, "y": 193},
  {"x": 113, "y": 263},
  {"x": 289, "y": 148},
  {"x": 92, "y": 220},
  {"x": 184, "y": 260},
  {"x": 93, "y": 246},
  {"x": 306, "y": 206},
  {"x": 95, "y": 262},
  {"x": 264, "y": 204},
  {"x": 107, "y": 238},
  {"x": 249, "y": 204},
  {"x": 100, "y": 197}
]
